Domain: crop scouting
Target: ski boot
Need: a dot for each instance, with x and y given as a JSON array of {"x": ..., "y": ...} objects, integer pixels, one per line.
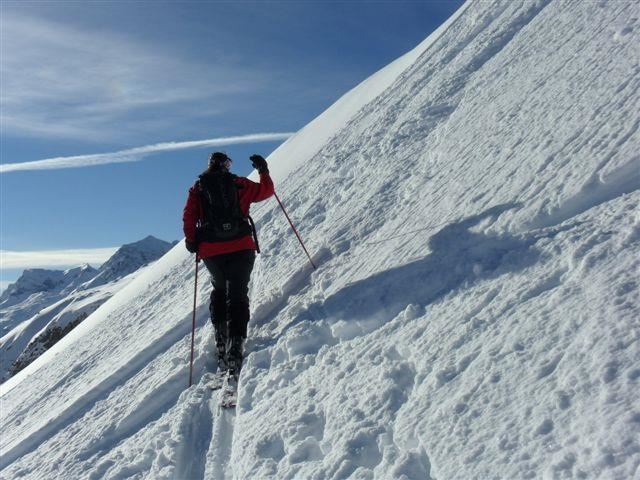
[
  {"x": 221, "y": 350},
  {"x": 235, "y": 356}
]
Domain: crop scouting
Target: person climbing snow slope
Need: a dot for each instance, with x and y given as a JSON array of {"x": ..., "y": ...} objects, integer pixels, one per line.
[{"x": 218, "y": 228}]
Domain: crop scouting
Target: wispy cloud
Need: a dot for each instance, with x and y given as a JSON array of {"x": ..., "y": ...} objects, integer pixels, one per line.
[
  {"x": 136, "y": 154},
  {"x": 54, "y": 258},
  {"x": 60, "y": 80}
]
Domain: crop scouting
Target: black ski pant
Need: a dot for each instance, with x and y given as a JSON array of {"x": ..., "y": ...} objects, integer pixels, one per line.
[{"x": 230, "y": 275}]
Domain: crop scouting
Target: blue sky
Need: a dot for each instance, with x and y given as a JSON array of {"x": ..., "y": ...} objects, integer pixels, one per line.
[{"x": 84, "y": 78}]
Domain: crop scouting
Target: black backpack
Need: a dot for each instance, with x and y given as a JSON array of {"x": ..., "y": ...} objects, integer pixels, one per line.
[{"x": 223, "y": 219}]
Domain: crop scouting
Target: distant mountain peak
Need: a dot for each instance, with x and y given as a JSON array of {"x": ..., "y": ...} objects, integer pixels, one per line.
[
  {"x": 33, "y": 280},
  {"x": 85, "y": 267},
  {"x": 130, "y": 257}
]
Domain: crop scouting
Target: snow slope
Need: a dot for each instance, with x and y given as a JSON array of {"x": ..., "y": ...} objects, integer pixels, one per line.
[{"x": 475, "y": 313}]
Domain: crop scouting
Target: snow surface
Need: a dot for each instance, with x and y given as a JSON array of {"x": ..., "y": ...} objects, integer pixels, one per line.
[{"x": 476, "y": 309}]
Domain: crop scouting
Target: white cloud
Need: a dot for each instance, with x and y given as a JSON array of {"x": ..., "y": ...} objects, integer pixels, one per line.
[
  {"x": 62, "y": 81},
  {"x": 137, "y": 153},
  {"x": 54, "y": 258}
]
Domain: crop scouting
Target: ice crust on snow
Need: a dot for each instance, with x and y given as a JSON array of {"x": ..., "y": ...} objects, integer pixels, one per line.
[{"x": 475, "y": 313}]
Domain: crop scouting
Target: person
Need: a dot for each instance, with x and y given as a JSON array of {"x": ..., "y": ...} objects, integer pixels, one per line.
[{"x": 218, "y": 228}]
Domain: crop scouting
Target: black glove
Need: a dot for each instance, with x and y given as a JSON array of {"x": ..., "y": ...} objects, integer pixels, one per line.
[
  {"x": 191, "y": 246},
  {"x": 259, "y": 163}
]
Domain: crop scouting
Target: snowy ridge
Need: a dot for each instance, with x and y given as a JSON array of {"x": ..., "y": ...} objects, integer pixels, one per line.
[{"x": 475, "y": 310}]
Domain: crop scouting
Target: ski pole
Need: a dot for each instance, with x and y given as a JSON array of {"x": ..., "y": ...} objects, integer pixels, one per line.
[
  {"x": 193, "y": 322},
  {"x": 294, "y": 230}
]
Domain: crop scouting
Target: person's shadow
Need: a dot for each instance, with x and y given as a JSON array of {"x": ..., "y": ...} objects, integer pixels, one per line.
[{"x": 457, "y": 257}]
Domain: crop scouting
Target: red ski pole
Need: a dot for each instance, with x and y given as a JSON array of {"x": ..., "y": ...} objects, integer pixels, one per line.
[
  {"x": 294, "y": 230},
  {"x": 193, "y": 322}
]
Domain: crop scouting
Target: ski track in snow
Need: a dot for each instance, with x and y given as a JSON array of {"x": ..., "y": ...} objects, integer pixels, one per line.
[
  {"x": 219, "y": 453},
  {"x": 475, "y": 309}
]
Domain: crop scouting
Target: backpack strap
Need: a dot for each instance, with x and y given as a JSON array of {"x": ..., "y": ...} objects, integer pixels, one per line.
[
  {"x": 254, "y": 232},
  {"x": 198, "y": 188}
]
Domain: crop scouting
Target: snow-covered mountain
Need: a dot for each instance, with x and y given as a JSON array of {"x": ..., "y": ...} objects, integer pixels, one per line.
[
  {"x": 36, "y": 288},
  {"x": 475, "y": 311},
  {"x": 129, "y": 258},
  {"x": 42, "y": 306},
  {"x": 38, "y": 280}
]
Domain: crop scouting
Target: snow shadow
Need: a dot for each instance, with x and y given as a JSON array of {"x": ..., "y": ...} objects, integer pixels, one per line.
[{"x": 458, "y": 257}]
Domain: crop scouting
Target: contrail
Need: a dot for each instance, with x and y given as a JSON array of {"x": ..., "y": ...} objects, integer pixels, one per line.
[{"x": 136, "y": 154}]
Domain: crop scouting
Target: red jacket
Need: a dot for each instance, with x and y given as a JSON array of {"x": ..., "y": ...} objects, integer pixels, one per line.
[{"x": 250, "y": 192}]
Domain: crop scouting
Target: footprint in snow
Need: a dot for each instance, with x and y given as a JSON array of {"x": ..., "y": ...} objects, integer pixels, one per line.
[
  {"x": 545, "y": 427},
  {"x": 548, "y": 367}
]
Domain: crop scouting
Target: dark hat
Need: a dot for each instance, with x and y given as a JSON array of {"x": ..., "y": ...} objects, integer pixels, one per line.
[{"x": 218, "y": 159}]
